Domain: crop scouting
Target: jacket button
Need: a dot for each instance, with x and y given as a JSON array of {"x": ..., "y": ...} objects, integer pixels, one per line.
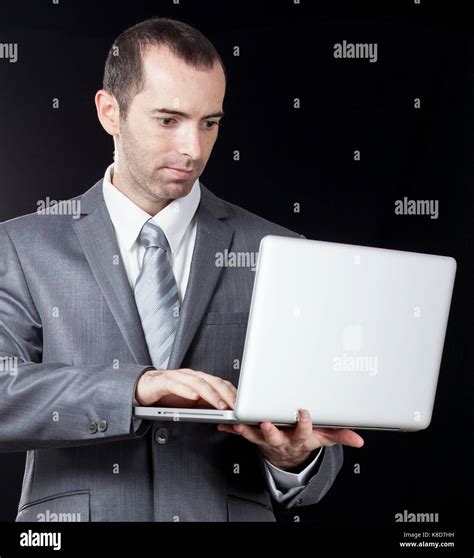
[
  {"x": 299, "y": 502},
  {"x": 92, "y": 427},
  {"x": 161, "y": 435},
  {"x": 102, "y": 425}
]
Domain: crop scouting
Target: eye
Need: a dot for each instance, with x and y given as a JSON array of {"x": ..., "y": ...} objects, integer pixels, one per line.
[
  {"x": 209, "y": 124},
  {"x": 166, "y": 121}
]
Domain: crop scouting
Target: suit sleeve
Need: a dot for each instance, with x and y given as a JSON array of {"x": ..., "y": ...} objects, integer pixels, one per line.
[
  {"x": 53, "y": 404},
  {"x": 321, "y": 481}
]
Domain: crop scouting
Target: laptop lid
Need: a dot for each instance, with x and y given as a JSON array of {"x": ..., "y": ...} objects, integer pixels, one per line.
[{"x": 352, "y": 333}]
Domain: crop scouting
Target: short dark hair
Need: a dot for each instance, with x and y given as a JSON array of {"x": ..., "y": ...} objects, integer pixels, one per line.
[{"x": 123, "y": 73}]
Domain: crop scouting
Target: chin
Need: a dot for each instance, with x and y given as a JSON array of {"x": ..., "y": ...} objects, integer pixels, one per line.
[{"x": 177, "y": 189}]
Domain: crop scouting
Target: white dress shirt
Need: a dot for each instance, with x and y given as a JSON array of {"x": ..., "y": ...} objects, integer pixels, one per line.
[{"x": 178, "y": 221}]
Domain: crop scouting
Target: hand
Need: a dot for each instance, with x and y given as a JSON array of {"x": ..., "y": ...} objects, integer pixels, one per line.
[
  {"x": 286, "y": 449},
  {"x": 185, "y": 388}
]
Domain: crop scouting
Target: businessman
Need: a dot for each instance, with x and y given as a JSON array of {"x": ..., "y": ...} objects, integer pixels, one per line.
[{"x": 126, "y": 306}]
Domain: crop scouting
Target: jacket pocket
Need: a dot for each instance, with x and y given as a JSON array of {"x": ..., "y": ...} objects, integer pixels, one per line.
[
  {"x": 241, "y": 509},
  {"x": 223, "y": 318},
  {"x": 73, "y": 506}
]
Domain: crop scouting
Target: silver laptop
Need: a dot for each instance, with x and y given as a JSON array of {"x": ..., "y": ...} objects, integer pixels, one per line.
[{"x": 351, "y": 333}]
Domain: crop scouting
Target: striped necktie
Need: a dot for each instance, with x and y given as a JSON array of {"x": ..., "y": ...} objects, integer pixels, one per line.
[{"x": 156, "y": 295}]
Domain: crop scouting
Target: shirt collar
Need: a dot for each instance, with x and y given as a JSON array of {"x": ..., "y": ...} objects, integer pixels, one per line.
[{"x": 128, "y": 219}]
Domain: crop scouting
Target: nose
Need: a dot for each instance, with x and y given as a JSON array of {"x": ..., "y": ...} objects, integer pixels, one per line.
[{"x": 190, "y": 143}]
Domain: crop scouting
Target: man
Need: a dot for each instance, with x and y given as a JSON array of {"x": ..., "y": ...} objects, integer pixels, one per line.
[{"x": 127, "y": 306}]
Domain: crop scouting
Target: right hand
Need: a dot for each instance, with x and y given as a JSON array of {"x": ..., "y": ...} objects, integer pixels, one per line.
[{"x": 185, "y": 388}]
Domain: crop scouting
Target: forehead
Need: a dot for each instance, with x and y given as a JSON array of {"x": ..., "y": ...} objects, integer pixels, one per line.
[{"x": 167, "y": 78}]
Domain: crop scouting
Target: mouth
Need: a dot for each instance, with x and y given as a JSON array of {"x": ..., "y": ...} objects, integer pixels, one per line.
[{"x": 180, "y": 173}]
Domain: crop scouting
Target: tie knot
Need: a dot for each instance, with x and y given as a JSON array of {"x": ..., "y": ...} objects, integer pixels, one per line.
[{"x": 152, "y": 235}]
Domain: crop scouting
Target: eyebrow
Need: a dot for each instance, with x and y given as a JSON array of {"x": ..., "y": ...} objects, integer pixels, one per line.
[{"x": 179, "y": 113}]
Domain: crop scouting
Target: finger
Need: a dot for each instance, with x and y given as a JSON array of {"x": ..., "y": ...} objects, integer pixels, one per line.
[
  {"x": 250, "y": 433},
  {"x": 232, "y": 388},
  {"x": 176, "y": 387},
  {"x": 304, "y": 428},
  {"x": 330, "y": 436},
  {"x": 203, "y": 388},
  {"x": 272, "y": 435},
  {"x": 226, "y": 390}
]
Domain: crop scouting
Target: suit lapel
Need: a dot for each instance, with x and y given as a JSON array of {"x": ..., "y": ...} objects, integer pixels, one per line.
[
  {"x": 212, "y": 236},
  {"x": 97, "y": 237},
  {"x": 99, "y": 243}
]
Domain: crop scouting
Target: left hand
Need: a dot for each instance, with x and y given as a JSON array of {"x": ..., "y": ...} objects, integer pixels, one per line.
[{"x": 286, "y": 449}]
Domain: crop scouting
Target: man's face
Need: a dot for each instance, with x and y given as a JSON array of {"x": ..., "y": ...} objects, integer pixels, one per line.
[{"x": 171, "y": 124}]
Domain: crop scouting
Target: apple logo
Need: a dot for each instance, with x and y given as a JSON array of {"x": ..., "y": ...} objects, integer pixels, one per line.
[{"x": 352, "y": 337}]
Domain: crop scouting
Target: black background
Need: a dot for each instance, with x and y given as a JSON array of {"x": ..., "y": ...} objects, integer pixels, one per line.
[{"x": 289, "y": 156}]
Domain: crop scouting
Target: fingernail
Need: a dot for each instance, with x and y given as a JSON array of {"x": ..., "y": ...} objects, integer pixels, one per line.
[{"x": 222, "y": 404}]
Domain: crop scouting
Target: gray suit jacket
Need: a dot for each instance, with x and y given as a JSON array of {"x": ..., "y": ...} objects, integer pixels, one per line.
[{"x": 69, "y": 322}]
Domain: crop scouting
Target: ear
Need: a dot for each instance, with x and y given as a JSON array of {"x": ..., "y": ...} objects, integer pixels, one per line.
[{"x": 108, "y": 112}]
